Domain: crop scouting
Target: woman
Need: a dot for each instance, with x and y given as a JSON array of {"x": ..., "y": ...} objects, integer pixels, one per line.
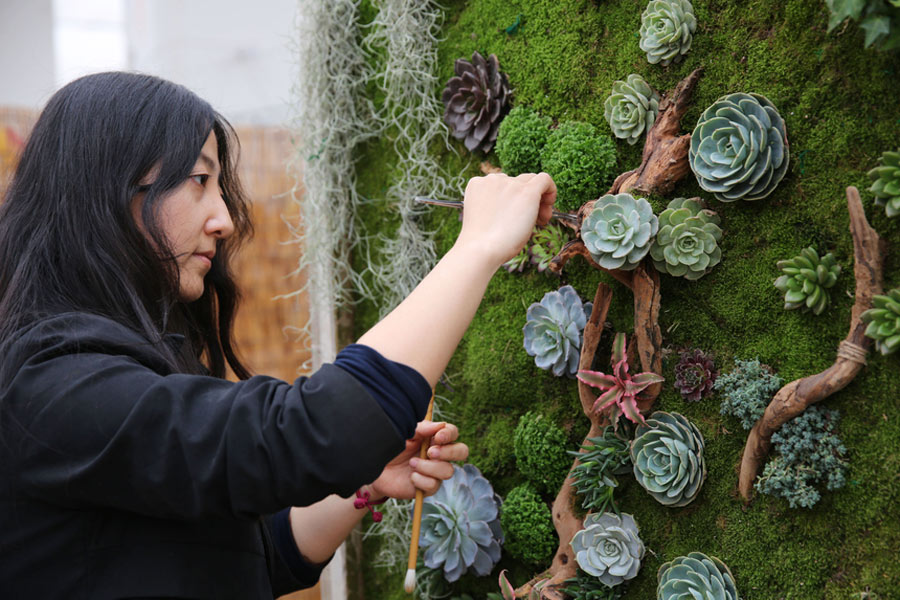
[{"x": 128, "y": 466}]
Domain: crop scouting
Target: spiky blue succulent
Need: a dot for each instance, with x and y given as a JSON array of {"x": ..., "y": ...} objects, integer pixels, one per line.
[
  {"x": 461, "y": 525},
  {"x": 618, "y": 231},
  {"x": 553, "y": 330},
  {"x": 667, "y": 454},
  {"x": 609, "y": 547},
  {"x": 667, "y": 30},
  {"x": 694, "y": 577},
  {"x": 739, "y": 148}
]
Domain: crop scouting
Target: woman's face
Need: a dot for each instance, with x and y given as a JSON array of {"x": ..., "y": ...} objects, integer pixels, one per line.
[{"x": 193, "y": 217}]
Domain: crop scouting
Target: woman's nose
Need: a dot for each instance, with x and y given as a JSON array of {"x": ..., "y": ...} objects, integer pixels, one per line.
[{"x": 219, "y": 223}]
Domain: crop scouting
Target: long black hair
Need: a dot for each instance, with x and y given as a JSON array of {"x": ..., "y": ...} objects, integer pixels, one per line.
[{"x": 68, "y": 236}]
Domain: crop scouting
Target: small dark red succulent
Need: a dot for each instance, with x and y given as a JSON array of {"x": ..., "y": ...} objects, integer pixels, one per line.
[
  {"x": 475, "y": 101},
  {"x": 695, "y": 375}
]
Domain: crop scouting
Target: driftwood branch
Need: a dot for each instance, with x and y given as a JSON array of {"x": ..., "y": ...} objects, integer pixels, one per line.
[{"x": 793, "y": 398}]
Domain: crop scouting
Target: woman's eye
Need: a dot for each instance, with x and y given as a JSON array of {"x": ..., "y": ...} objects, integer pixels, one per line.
[{"x": 200, "y": 178}]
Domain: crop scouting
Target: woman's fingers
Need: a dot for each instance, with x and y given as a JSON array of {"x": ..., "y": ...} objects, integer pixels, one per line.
[{"x": 449, "y": 452}]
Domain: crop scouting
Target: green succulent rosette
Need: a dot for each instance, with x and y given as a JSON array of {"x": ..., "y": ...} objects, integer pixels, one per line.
[
  {"x": 618, "y": 231},
  {"x": 886, "y": 183},
  {"x": 806, "y": 279},
  {"x": 667, "y": 458},
  {"x": 884, "y": 321},
  {"x": 739, "y": 148},
  {"x": 631, "y": 108},
  {"x": 687, "y": 244},
  {"x": 667, "y": 29},
  {"x": 695, "y": 576}
]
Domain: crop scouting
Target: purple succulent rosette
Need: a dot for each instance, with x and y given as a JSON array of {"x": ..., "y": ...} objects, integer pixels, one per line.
[
  {"x": 695, "y": 375},
  {"x": 475, "y": 101}
]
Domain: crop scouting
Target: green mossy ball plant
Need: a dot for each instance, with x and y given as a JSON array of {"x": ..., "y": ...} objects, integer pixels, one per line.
[
  {"x": 580, "y": 160},
  {"x": 687, "y": 244},
  {"x": 609, "y": 547},
  {"x": 886, "y": 183},
  {"x": 540, "y": 448},
  {"x": 475, "y": 101},
  {"x": 884, "y": 321},
  {"x": 618, "y": 231},
  {"x": 631, "y": 108},
  {"x": 806, "y": 279},
  {"x": 747, "y": 390},
  {"x": 667, "y": 458},
  {"x": 695, "y": 577},
  {"x": 461, "y": 525},
  {"x": 809, "y": 453},
  {"x": 667, "y": 29},
  {"x": 527, "y": 526},
  {"x": 739, "y": 148},
  {"x": 880, "y": 19},
  {"x": 553, "y": 330},
  {"x": 520, "y": 140}
]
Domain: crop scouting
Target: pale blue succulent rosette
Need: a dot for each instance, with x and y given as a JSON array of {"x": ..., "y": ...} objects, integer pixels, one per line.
[
  {"x": 667, "y": 458},
  {"x": 609, "y": 547},
  {"x": 461, "y": 525},
  {"x": 553, "y": 330},
  {"x": 618, "y": 231},
  {"x": 739, "y": 148},
  {"x": 695, "y": 576},
  {"x": 631, "y": 108},
  {"x": 667, "y": 30}
]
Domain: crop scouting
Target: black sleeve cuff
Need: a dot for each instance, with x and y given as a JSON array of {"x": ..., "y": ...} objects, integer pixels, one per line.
[{"x": 290, "y": 570}]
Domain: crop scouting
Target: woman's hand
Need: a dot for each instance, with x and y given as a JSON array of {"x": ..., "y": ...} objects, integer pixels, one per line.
[
  {"x": 407, "y": 471},
  {"x": 501, "y": 212}
]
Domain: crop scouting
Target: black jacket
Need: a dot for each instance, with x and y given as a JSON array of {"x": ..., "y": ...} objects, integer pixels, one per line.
[{"x": 119, "y": 478}]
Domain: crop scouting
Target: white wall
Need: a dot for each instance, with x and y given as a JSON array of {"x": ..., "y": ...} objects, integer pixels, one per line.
[
  {"x": 26, "y": 53},
  {"x": 234, "y": 53}
]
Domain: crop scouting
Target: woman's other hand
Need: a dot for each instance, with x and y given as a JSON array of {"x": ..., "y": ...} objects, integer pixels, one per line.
[
  {"x": 501, "y": 212},
  {"x": 407, "y": 471}
]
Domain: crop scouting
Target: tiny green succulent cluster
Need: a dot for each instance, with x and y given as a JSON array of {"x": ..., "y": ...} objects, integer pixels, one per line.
[
  {"x": 587, "y": 587},
  {"x": 667, "y": 30},
  {"x": 527, "y": 525},
  {"x": 687, "y": 244},
  {"x": 609, "y": 547},
  {"x": 667, "y": 457},
  {"x": 880, "y": 19},
  {"x": 580, "y": 160},
  {"x": 520, "y": 140},
  {"x": 809, "y": 453},
  {"x": 748, "y": 388},
  {"x": 806, "y": 279},
  {"x": 599, "y": 461},
  {"x": 739, "y": 148},
  {"x": 631, "y": 108},
  {"x": 695, "y": 576},
  {"x": 540, "y": 448},
  {"x": 886, "y": 182},
  {"x": 884, "y": 321},
  {"x": 545, "y": 243},
  {"x": 618, "y": 231}
]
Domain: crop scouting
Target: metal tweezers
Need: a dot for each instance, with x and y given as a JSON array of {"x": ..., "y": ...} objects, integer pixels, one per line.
[{"x": 459, "y": 204}]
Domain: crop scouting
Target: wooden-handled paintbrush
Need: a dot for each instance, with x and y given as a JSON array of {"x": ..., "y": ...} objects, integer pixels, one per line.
[{"x": 409, "y": 584}]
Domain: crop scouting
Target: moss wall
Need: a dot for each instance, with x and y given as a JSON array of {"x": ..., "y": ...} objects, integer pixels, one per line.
[{"x": 840, "y": 104}]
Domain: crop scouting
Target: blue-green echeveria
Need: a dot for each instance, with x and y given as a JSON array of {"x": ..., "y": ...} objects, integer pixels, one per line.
[
  {"x": 739, "y": 148},
  {"x": 609, "y": 547},
  {"x": 461, "y": 525},
  {"x": 667, "y": 454},
  {"x": 618, "y": 231},
  {"x": 884, "y": 321},
  {"x": 553, "y": 330},
  {"x": 687, "y": 244},
  {"x": 886, "y": 182},
  {"x": 695, "y": 577},
  {"x": 667, "y": 28},
  {"x": 631, "y": 108}
]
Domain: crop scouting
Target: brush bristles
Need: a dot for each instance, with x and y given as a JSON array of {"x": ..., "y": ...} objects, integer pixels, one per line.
[{"x": 409, "y": 584}]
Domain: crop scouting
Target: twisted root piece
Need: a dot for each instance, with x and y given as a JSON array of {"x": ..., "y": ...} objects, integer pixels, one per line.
[{"x": 793, "y": 398}]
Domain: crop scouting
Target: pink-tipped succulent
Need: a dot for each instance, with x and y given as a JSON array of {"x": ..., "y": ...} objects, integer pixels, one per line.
[{"x": 620, "y": 389}]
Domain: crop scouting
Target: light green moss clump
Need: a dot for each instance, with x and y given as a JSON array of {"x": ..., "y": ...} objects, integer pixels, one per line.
[
  {"x": 527, "y": 526},
  {"x": 520, "y": 140},
  {"x": 580, "y": 160},
  {"x": 540, "y": 447}
]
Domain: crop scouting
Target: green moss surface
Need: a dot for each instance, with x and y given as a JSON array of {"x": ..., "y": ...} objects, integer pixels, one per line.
[{"x": 840, "y": 104}]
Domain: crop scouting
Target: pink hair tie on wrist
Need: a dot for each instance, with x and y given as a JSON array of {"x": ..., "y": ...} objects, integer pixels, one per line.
[{"x": 364, "y": 500}]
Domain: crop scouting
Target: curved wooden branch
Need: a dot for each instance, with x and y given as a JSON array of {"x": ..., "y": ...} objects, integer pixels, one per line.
[{"x": 793, "y": 398}]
